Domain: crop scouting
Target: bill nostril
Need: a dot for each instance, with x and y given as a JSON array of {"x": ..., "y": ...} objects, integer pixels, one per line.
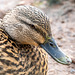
[{"x": 51, "y": 44}]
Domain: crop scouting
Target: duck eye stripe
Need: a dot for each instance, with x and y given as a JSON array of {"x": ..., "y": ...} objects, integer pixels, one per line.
[{"x": 35, "y": 27}]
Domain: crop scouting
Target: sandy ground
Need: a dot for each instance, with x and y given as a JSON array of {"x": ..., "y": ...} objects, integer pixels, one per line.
[{"x": 62, "y": 19}]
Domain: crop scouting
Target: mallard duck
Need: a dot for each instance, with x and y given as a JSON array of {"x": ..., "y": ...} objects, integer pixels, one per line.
[{"x": 25, "y": 40}]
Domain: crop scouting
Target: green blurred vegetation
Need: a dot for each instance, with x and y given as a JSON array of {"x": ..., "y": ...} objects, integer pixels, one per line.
[{"x": 51, "y": 2}]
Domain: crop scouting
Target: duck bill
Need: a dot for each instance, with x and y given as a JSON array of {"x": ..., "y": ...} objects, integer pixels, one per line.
[{"x": 53, "y": 50}]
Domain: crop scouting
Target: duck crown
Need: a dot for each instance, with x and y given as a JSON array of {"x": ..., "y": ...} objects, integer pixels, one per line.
[{"x": 27, "y": 25}]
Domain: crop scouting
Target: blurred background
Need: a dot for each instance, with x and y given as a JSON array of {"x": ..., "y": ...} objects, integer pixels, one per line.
[{"x": 62, "y": 17}]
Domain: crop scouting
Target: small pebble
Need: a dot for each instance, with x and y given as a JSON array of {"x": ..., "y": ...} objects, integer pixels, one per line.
[
  {"x": 62, "y": 21},
  {"x": 72, "y": 70},
  {"x": 74, "y": 35}
]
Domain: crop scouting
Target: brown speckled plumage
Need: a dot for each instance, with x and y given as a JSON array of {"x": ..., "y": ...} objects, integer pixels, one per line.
[
  {"x": 21, "y": 59},
  {"x": 21, "y": 32}
]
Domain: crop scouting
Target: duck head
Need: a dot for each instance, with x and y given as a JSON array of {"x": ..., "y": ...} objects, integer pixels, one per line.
[{"x": 29, "y": 25}]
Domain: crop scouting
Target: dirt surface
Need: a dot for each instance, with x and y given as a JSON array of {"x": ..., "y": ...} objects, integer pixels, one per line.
[{"x": 62, "y": 19}]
